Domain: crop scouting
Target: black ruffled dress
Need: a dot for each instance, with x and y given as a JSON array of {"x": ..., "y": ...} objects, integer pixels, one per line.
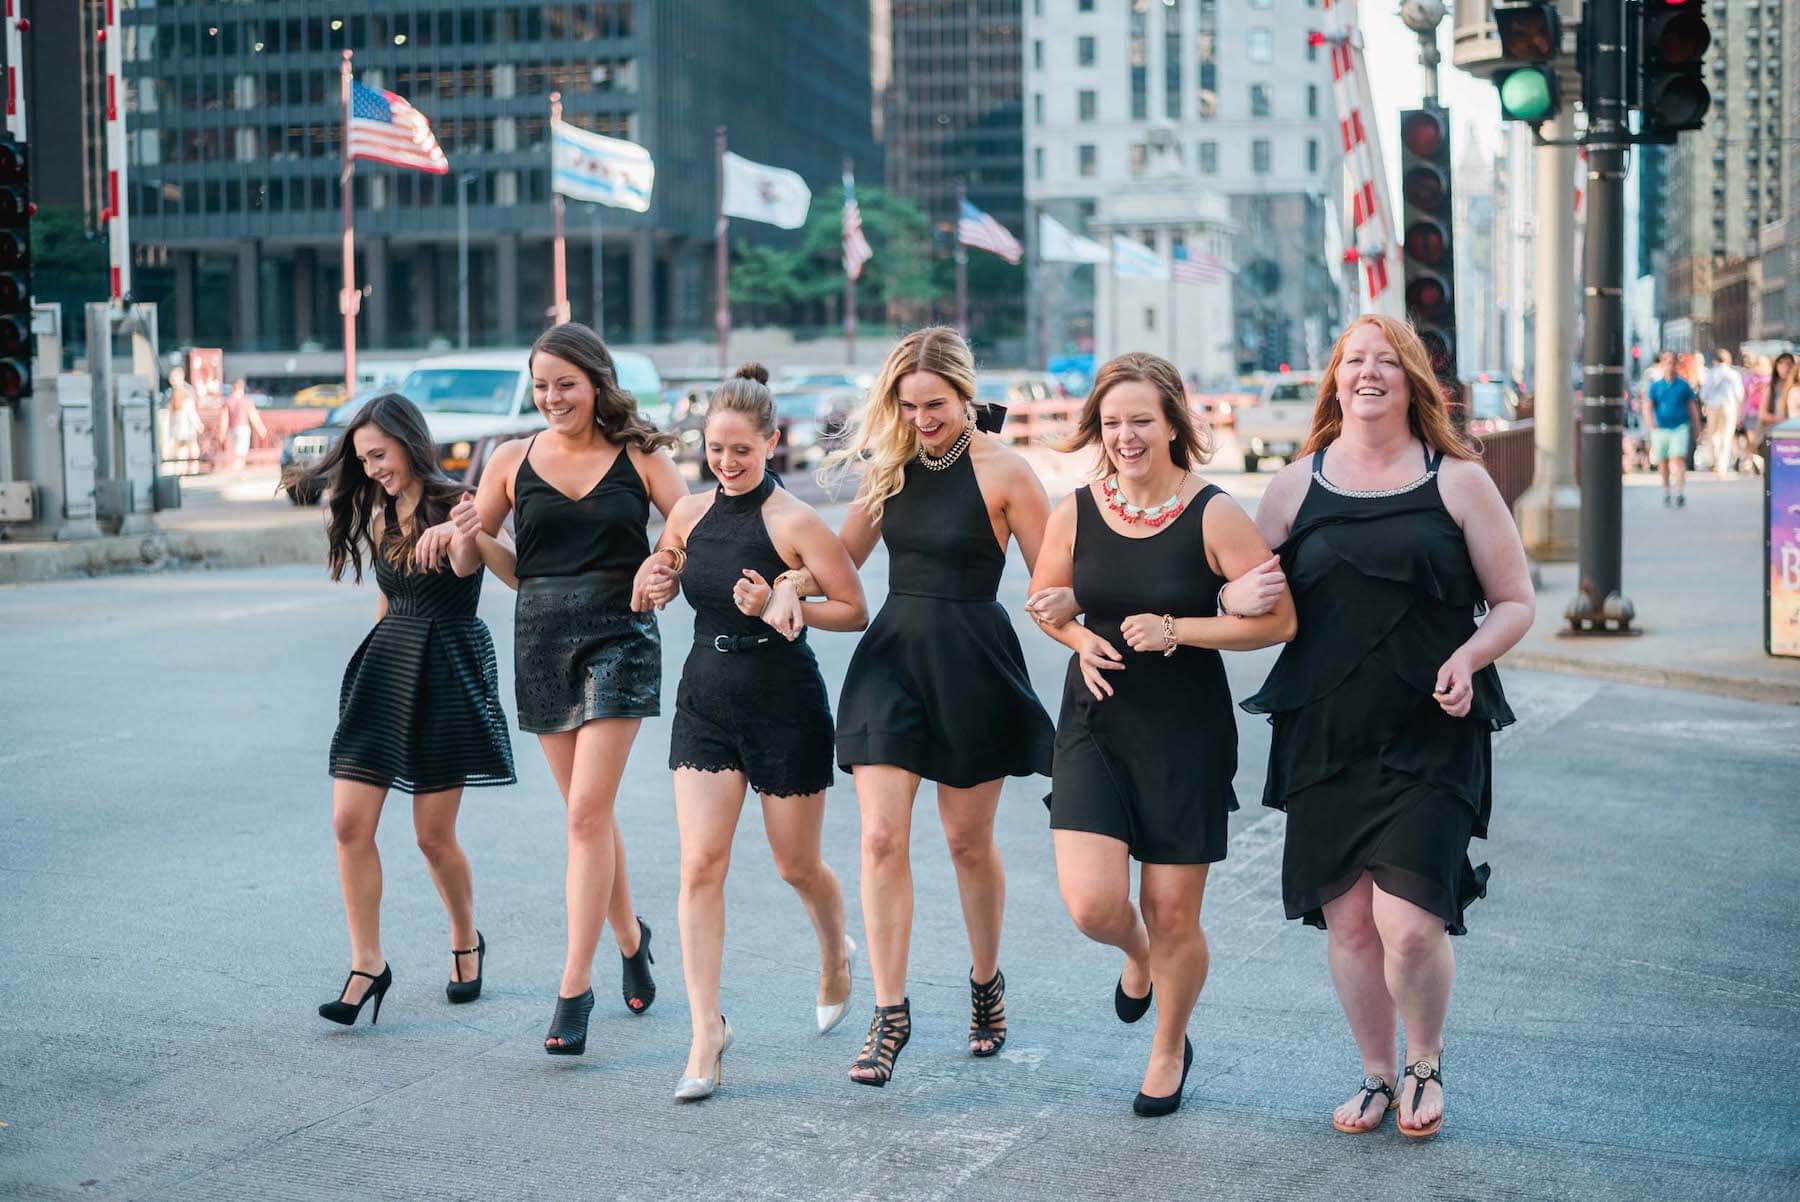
[{"x": 1374, "y": 776}]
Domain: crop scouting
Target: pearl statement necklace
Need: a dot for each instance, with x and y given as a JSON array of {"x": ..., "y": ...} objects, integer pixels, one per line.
[
  {"x": 950, "y": 456},
  {"x": 1155, "y": 515}
]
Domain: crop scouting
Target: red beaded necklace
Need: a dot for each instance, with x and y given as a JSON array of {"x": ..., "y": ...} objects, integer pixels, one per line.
[{"x": 1155, "y": 515}]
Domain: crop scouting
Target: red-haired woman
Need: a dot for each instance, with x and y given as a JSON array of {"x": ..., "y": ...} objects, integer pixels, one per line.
[
  {"x": 1147, "y": 743},
  {"x": 1392, "y": 537}
]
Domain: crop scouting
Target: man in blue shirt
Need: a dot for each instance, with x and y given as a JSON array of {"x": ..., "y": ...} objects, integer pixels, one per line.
[{"x": 1672, "y": 413}]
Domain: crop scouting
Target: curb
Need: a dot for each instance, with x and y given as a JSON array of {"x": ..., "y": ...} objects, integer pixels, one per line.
[
  {"x": 260, "y": 546},
  {"x": 1661, "y": 678}
]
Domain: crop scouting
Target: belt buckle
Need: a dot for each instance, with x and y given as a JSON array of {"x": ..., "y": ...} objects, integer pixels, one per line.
[{"x": 721, "y": 642}]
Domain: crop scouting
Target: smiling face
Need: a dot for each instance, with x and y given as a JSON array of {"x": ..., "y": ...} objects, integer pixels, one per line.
[
  {"x": 1134, "y": 431},
  {"x": 932, "y": 407},
  {"x": 737, "y": 451},
  {"x": 1371, "y": 384},
  {"x": 563, "y": 393},
  {"x": 383, "y": 458}
]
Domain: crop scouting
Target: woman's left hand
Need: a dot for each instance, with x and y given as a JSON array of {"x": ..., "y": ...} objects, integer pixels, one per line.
[
  {"x": 1143, "y": 632},
  {"x": 1455, "y": 686},
  {"x": 433, "y": 545},
  {"x": 780, "y": 608},
  {"x": 1052, "y": 606}
]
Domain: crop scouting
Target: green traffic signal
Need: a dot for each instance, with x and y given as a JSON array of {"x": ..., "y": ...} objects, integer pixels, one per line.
[{"x": 1528, "y": 94}]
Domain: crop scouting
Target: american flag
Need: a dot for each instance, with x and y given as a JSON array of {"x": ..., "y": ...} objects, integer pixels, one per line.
[
  {"x": 385, "y": 128},
  {"x": 1197, "y": 269},
  {"x": 979, "y": 230},
  {"x": 856, "y": 247}
]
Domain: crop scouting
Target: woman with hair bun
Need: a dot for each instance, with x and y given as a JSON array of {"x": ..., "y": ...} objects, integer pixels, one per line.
[
  {"x": 588, "y": 667},
  {"x": 1393, "y": 537},
  {"x": 419, "y": 710},
  {"x": 751, "y": 710},
  {"x": 937, "y": 689}
]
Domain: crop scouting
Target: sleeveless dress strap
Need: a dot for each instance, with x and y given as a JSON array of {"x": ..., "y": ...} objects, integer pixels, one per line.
[
  {"x": 1433, "y": 459},
  {"x": 1319, "y": 461}
]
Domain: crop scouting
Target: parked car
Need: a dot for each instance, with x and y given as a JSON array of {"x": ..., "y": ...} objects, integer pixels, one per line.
[
  {"x": 1277, "y": 425},
  {"x": 307, "y": 448},
  {"x": 320, "y": 394},
  {"x": 1493, "y": 404},
  {"x": 813, "y": 423}
]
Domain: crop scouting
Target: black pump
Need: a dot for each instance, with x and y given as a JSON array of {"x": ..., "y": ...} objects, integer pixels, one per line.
[{"x": 344, "y": 1013}]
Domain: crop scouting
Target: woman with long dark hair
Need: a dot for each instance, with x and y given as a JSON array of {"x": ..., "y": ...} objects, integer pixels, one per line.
[
  {"x": 1147, "y": 743},
  {"x": 937, "y": 689},
  {"x": 588, "y": 667},
  {"x": 752, "y": 711},
  {"x": 1393, "y": 538},
  {"x": 419, "y": 710}
]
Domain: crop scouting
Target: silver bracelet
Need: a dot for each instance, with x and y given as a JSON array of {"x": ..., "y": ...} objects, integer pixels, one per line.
[{"x": 1219, "y": 602}]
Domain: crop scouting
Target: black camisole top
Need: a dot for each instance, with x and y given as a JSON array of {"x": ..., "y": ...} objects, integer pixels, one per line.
[{"x": 604, "y": 531}]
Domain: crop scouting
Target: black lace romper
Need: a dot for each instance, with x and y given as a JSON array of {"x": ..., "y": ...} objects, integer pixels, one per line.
[
  {"x": 579, "y": 652},
  {"x": 1374, "y": 776},
  {"x": 938, "y": 684},
  {"x": 749, "y": 700},
  {"x": 419, "y": 708}
]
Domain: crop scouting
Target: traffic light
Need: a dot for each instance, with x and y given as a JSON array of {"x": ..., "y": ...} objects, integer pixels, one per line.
[
  {"x": 1531, "y": 36},
  {"x": 1672, "y": 42},
  {"x": 1425, "y": 238},
  {"x": 16, "y": 343}
]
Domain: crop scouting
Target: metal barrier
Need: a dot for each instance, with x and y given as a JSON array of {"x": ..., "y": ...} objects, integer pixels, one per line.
[
  {"x": 1510, "y": 456},
  {"x": 1039, "y": 423}
]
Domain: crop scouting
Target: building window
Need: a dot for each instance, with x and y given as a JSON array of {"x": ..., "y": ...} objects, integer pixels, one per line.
[
  {"x": 1138, "y": 53},
  {"x": 1172, "y": 62},
  {"x": 1206, "y": 59},
  {"x": 1037, "y": 108},
  {"x": 1259, "y": 100},
  {"x": 1261, "y": 46},
  {"x": 1084, "y": 52},
  {"x": 1037, "y": 54},
  {"x": 1312, "y": 100},
  {"x": 1087, "y": 104},
  {"x": 1259, "y": 156},
  {"x": 1086, "y": 161},
  {"x": 1140, "y": 157},
  {"x": 1084, "y": 6},
  {"x": 1209, "y": 158},
  {"x": 1312, "y": 155},
  {"x": 1149, "y": 320},
  {"x": 1037, "y": 162},
  {"x": 1037, "y": 8}
]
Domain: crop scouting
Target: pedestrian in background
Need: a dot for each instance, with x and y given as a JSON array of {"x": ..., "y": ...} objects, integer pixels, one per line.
[
  {"x": 1672, "y": 412},
  {"x": 1756, "y": 398},
  {"x": 588, "y": 668},
  {"x": 1146, "y": 745},
  {"x": 1692, "y": 370},
  {"x": 238, "y": 419},
  {"x": 1782, "y": 376},
  {"x": 1723, "y": 396},
  {"x": 184, "y": 420},
  {"x": 751, "y": 710},
  {"x": 419, "y": 708},
  {"x": 1392, "y": 536},
  {"x": 937, "y": 688}
]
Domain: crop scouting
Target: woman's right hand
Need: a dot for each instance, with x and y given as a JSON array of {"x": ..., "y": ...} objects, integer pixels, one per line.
[
  {"x": 1053, "y": 606},
  {"x": 655, "y": 584},
  {"x": 1098, "y": 657},
  {"x": 1255, "y": 592},
  {"x": 466, "y": 518}
]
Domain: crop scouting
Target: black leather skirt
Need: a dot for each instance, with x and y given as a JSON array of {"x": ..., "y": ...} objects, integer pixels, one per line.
[{"x": 580, "y": 653}]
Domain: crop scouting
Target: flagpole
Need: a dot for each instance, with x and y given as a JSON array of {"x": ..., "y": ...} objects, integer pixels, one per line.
[
  {"x": 599, "y": 276},
  {"x": 721, "y": 256},
  {"x": 559, "y": 262},
  {"x": 1039, "y": 286},
  {"x": 1169, "y": 314},
  {"x": 962, "y": 263},
  {"x": 849, "y": 290},
  {"x": 1113, "y": 306},
  {"x": 349, "y": 299}
]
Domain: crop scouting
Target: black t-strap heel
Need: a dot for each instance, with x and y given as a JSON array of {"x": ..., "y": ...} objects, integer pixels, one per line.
[
  {"x": 457, "y": 989},
  {"x": 987, "y": 1021},
  {"x": 889, "y": 1031},
  {"x": 345, "y": 1014}
]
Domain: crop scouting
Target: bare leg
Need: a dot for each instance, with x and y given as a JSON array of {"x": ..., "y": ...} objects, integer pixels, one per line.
[
  {"x": 793, "y": 826},
  {"x": 885, "y": 794},
  {"x": 619, "y": 909},
  {"x": 707, "y": 806},
  {"x": 967, "y": 816},
  {"x": 1355, "y": 952},
  {"x": 434, "y": 822},
  {"x": 1094, "y": 875},
  {"x": 1170, "y": 896},
  {"x": 355, "y": 811},
  {"x": 1420, "y": 967}
]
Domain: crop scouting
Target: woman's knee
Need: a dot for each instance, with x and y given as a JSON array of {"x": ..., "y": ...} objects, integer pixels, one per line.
[
  {"x": 590, "y": 818},
  {"x": 885, "y": 843},
  {"x": 1169, "y": 918},
  {"x": 799, "y": 871},
  {"x": 971, "y": 846},
  {"x": 705, "y": 868},
  {"x": 353, "y": 827},
  {"x": 1410, "y": 935},
  {"x": 438, "y": 844}
]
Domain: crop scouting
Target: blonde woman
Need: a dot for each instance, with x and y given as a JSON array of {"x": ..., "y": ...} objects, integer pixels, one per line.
[{"x": 937, "y": 688}]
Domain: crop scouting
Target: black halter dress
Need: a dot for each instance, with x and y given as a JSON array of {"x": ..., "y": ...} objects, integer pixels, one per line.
[
  {"x": 1151, "y": 765},
  {"x": 419, "y": 708},
  {"x": 579, "y": 652},
  {"x": 938, "y": 685},
  {"x": 1373, "y": 774},
  {"x": 749, "y": 700}
]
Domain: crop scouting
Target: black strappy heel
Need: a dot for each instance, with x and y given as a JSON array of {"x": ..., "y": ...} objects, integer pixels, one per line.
[
  {"x": 457, "y": 989},
  {"x": 889, "y": 1031},
  {"x": 635, "y": 981},
  {"x": 569, "y": 1024},
  {"x": 988, "y": 1006},
  {"x": 1371, "y": 1085},
  {"x": 345, "y": 1014}
]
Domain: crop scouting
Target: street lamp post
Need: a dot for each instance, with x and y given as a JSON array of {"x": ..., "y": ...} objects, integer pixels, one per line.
[{"x": 462, "y": 258}]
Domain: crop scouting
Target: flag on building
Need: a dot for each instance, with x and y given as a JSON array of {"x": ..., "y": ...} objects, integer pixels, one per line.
[
  {"x": 768, "y": 194},
  {"x": 1190, "y": 268},
  {"x": 1057, "y": 243},
  {"x": 593, "y": 167},
  {"x": 856, "y": 247},
  {"x": 386, "y": 129},
  {"x": 977, "y": 229},
  {"x": 1133, "y": 260}
]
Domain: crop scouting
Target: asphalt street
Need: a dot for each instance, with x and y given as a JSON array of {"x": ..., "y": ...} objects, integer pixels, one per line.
[{"x": 1623, "y": 1026}]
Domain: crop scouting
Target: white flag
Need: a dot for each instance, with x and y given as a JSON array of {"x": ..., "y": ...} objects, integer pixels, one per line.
[
  {"x": 1133, "y": 260},
  {"x": 1057, "y": 243},
  {"x": 768, "y": 194},
  {"x": 593, "y": 167}
]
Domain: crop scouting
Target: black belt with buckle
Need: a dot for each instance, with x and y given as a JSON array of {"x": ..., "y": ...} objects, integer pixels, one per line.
[{"x": 733, "y": 643}]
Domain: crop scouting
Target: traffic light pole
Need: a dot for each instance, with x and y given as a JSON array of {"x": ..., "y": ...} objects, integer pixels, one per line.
[{"x": 1600, "y": 605}]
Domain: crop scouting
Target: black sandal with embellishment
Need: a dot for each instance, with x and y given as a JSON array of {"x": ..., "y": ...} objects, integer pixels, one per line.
[
  {"x": 1372, "y": 1084},
  {"x": 889, "y": 1031},
  {"x": 1419, "y": 1075}
]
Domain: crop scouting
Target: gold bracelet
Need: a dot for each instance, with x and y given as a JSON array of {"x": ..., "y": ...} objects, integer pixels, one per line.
[
  {"x": 1169, "y": 643},
  {"x": 680, "y": 557},
  {"x": 790, "y": 574}
]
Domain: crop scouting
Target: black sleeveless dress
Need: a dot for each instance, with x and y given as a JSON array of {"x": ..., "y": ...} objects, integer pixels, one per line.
[
  {"x": 749, "y": 700},
  {"x": 938, "y": 685},
  {"x": 1373, "y": 774},
  {"x": 1150, "y": 766},
  {"x": 419, "y": 708},
  {"x": 579, "y": 652}
]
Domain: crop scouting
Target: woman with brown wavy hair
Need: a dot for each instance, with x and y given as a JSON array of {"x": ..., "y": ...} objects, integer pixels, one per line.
[
  {"x": 588, "y": 667},
  {"x": 937, "y": 688},
  {"x": 1393, "y": 537}
]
